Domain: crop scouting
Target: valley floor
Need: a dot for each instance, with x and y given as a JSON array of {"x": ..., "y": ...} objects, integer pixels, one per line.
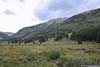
[{"x": 50, "y": 54}]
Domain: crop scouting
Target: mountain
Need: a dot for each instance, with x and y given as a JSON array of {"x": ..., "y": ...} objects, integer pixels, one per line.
[
  {"x": 49, "y": 26},
  {"x": 61, "y": 25},
  {"x": 5, "y": 35},
  {"x": 8, "y": 33},
  {"x": 85, "y": 19}
]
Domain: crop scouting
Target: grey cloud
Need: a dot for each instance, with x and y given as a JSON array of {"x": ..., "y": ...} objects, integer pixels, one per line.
[
  {"x": 17, "y": 0},
  {"x": 64, "y": 4},
  {"x": 66, "y": 8},
  {"x": 21, "y": 0},
  {"x": 4, "y": 0}
]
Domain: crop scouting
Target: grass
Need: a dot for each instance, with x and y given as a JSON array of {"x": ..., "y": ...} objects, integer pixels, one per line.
[{"x": 39, "y": 55}]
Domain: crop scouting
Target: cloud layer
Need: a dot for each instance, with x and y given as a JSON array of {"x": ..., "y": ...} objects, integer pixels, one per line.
[
  {"x": 16, "y": 14},
  {"x": 61, "y": 8}
]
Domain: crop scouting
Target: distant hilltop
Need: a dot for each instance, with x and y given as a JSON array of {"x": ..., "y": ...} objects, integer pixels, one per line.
[{"x": 5, "y": 35}]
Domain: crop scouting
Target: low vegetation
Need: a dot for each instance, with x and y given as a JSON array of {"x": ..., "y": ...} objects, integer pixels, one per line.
[{"x": 64, "y": 53}]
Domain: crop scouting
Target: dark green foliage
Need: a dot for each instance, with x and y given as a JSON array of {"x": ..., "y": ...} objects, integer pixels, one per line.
[
  {"x": 89, "y": 33},
  {"x": 41, "y": 39},
  {"x": 80, "y": 40},
  {"x": 67, "y": 35},
  {"x": 98, "y": 37},
  {"x": 59, "y": 37},
  {"x": 27, "y": 40},
  {"x": 15, "y": 40},
  {"x": 54, "y": 54}
]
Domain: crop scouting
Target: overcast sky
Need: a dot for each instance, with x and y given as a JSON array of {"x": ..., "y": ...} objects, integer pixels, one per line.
[{"x": 16, "y": 14}]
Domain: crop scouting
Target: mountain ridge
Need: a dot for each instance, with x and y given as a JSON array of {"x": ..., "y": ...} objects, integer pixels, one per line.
[
  {"x": 5, "y": 35},
  {"x": 61, "y": 25}
]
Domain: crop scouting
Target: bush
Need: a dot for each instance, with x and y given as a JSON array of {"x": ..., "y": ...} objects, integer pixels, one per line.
[
  {"x": 73, "y": 61},
  {"x": 98, "y": 37},
  {"x": 41, "y": 39},
  {"x": 54, "y": 54},
  {"x": 58, "y": 37}
]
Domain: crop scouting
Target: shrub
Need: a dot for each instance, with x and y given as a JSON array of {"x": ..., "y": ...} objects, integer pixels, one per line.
[
  {"x": 73, "y": 61},
  {"x": 41, "y": 39},
  {"x": 98, "y": 37},
  {"x": 31, "y": 57},
  {"x": 54, "y": 54},
  {"x": 58, "y": 37}
]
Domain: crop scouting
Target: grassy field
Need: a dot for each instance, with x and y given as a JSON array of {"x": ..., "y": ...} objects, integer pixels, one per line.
[{"x": 64, "y": 53}]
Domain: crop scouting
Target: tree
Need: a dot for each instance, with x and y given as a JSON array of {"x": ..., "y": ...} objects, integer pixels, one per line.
[
  {"x": 79, "y": 40},
  {"x": 27, "y": 41},
  {"x": 88, "y": 33},
  {"x": 58, "y": 37},
  {"x": 54, "y": 54},
  {"x": 98, "y": 37},
  {"x": 41, "y": 39},
  {"x": 66, "y": 35}
]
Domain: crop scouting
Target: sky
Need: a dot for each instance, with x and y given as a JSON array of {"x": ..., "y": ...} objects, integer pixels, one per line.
[{"x": 16, "y": 14}]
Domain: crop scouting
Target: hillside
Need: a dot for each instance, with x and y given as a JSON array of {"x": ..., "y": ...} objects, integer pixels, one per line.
[
  {"x": 85, "y": 19},
  {"x": 62, "y": 25},
  {"x": 47, "y": 27}
]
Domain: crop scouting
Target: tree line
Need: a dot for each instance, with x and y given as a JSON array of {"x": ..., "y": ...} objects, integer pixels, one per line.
[{"x": 88, "y": 33}]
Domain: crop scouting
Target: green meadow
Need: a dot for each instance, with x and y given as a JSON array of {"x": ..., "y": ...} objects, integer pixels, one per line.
[{"x": 64, "y": 53}]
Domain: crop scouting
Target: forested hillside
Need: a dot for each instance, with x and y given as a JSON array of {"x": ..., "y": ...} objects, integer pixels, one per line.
[{"x": 85, "y": 26}]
